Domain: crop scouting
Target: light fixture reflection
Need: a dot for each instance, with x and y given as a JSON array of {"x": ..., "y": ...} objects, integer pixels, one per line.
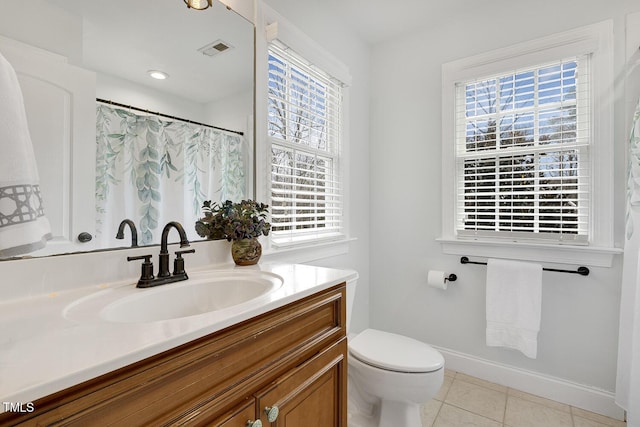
[
  {"x": 158, "y": 75},
  {"x": 198, "y": 4}
]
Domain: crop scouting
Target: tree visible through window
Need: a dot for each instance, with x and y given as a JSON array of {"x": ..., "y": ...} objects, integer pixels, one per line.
[
  {"x": 304, "y": 130},
  {"x": 522, "y": 147}
]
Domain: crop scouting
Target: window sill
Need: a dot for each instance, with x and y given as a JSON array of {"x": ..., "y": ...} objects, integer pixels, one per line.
[
  {"x": 538, "y": 252},
  {"x": 308, "y": 252}
]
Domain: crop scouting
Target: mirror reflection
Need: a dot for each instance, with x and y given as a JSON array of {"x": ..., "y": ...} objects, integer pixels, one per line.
[{"x": 136, "y": 111}]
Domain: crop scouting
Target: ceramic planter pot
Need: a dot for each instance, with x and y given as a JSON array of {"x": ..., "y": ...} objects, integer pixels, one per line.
[{"x": 246, "y": 251}]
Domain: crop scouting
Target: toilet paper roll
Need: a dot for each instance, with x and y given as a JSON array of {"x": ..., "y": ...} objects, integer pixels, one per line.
[{"x": 436, "y": 279}]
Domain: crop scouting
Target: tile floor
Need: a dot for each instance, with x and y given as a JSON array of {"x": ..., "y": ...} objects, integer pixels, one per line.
[{"x": 467, "y": 401}]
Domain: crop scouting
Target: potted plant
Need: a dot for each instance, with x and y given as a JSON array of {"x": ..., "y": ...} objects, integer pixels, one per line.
[{"x": 240, "y": 223}]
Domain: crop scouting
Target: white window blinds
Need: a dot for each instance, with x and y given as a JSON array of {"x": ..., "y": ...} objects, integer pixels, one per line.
[
  {"x": 522, "y": 153},
  {"x": 304, "y": 130}
]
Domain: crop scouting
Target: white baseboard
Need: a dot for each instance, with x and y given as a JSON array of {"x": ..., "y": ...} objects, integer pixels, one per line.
[{"x": 577, "y": 395}]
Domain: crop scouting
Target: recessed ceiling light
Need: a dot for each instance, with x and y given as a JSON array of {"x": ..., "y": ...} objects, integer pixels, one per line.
[{"x": 158, "y": 75}]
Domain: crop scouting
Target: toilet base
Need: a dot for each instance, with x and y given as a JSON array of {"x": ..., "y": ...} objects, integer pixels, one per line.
[
  {"x": 367, "y": 411},
  {"x": 394, "y": 414}
]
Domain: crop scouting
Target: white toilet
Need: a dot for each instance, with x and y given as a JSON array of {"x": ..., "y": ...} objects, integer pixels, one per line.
[{"x": 391, "y": 375}]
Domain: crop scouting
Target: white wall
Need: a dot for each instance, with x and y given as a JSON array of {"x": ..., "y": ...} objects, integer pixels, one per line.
[
  {"x": 232, "y": 112},
  {"x": 578, "y": 337},
  {"x": 129, "y": 93},
  {"x": 318, "y": 22},
  {"x": 43, "y": 25}
]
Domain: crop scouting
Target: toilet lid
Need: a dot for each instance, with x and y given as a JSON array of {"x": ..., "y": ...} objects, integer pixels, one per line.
[{"x": 395, "y": 352}]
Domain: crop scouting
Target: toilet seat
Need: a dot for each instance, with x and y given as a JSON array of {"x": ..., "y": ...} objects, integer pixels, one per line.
[{"x": 394, "y": 352}]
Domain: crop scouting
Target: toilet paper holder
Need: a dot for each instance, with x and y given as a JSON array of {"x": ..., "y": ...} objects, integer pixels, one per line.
[{"x": 439, "y": 279}]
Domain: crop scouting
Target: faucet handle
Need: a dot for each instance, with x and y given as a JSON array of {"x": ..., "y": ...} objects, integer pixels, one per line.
[
  {"x": 146, "y": 274},
  {"x": 178, "y": 263}
]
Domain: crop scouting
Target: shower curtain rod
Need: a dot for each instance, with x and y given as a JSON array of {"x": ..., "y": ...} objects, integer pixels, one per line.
[
  {"x": 583, "y": 271},
  {"x": 117, "y": 104}
]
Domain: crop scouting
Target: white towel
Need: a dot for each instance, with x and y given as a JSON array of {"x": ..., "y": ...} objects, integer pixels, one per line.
[
  {"x": 514, "y": 297},
  {"x": 23, "y": 226}
]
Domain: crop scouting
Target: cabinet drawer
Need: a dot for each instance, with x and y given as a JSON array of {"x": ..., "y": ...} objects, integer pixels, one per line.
[{"x": 165, "y": 387}]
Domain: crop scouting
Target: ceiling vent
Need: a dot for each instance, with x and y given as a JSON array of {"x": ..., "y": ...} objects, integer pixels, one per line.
[{"x": 215, "y": 48}]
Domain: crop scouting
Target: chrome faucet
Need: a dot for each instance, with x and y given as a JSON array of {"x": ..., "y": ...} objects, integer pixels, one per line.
[
  {"x": 134, "y": 232},
  {"x": 147, "y": 279}
]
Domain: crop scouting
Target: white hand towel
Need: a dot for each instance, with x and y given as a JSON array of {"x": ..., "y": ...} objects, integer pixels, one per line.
[
  {"x": 23, "y": 226},
  {"x": 514, "y": 298}
]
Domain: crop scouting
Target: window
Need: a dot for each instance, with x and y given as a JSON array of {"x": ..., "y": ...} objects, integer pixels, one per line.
[
  {"x": 527, "y": 150},
  {"x": 522, "y": 153},
  {"x": 304, "y": 129}
]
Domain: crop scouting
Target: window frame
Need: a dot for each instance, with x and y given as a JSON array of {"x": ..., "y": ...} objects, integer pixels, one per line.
[
  {"x": 595, "y": 40},
  {"x": 275, "y": 27},
  {"x": 327, "y": 163},
  {"x": 491, "y": 156}
]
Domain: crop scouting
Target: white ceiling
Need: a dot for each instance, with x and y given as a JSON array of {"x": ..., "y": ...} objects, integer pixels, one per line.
[
  {"x": 376, "y": 21},
  {"x": 379, "y": 20},
  {"x": 127, "y": 38}
]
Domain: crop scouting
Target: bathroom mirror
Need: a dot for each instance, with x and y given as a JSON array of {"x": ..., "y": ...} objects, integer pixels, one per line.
[{"x": 103, "y": 53}]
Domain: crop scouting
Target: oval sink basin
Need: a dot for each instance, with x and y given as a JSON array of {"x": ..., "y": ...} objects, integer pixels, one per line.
[{"x": 204, "y": 292}]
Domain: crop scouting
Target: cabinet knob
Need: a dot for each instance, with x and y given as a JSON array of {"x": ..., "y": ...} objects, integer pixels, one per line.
[
  {"x": 272, "y": 413},
  {"x": 256, "y": 423}
]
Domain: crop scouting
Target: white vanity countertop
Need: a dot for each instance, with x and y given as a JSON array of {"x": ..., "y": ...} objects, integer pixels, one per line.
[{"x": 42, "y": 351}]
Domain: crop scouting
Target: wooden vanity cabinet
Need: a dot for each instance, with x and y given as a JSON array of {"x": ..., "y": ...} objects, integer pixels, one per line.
[{"x": 293, "y": 358}]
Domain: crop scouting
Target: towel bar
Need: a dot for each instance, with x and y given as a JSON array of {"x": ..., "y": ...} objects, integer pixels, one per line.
[{"x": 583, "y": 271}]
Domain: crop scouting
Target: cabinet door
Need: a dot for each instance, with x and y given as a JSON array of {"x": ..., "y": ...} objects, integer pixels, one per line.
[{"x": 312, "y": 395}]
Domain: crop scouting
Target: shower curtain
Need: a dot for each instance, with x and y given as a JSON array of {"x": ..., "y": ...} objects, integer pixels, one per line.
[
  {"x": 628, "y": 376},
  {"x": 153, "y": 170}
]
